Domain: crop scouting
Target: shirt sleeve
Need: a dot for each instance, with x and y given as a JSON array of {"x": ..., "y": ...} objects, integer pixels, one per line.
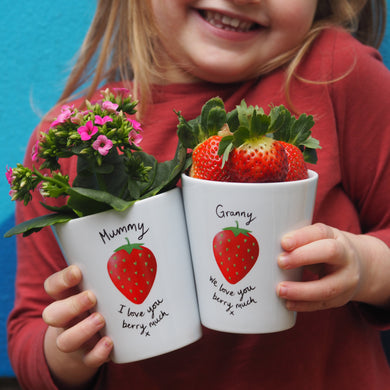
[
  {"x": 38, "y": 257},
  {"x": 362, "y": 101}
]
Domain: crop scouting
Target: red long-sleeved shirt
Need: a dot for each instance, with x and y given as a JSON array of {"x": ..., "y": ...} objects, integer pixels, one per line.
[{"x": 330, "y": 349}]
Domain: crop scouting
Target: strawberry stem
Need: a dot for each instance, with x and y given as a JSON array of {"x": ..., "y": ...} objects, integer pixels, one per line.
[
  {"x": 236, "y": 230},
  {"x": 129, "y": 247}
]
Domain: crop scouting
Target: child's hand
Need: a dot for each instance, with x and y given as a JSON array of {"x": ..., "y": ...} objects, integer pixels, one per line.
[
  {"x": 73, "y": 348},
  {"x": 349, "y": 267}
]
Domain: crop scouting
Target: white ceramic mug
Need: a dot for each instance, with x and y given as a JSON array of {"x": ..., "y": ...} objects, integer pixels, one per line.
[
  {"x": 235, "y": 231},
  {"x": 147, "y": 296}
]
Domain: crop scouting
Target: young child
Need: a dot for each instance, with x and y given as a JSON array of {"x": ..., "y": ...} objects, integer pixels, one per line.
[{"x": 178, "y": 54}]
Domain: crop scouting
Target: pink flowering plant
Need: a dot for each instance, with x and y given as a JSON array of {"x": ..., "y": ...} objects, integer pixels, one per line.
[{"x": 112, "y": 170}]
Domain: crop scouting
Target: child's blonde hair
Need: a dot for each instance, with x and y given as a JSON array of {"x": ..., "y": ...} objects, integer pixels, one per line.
[{"x": 121, "y": 40}]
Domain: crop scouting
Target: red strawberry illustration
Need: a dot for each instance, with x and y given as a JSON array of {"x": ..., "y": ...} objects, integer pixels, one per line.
[
  {"x": 236, "y": 252},
  {"x": 132, "y": 269}
]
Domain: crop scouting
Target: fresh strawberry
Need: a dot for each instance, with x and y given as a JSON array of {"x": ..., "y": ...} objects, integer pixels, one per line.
[
  {"x": 255, "y": 153},
  {"x": 295, "y": 135},
  {"x": 206, "y": 164},
  {"x": 203, "y": 135},
  {"x": 252, "y": 156},
  {"x": 297, "y": 169},
  {"x": 236, "y": 252},
  {"x": 257, "y": 161},
  {"x": 132, "y": 269},
  {"x": 250, "y": 150}
]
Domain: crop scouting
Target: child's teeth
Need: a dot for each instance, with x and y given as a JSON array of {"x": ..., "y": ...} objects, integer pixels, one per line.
[
  {"x": 232, "y": 22},
  {"x": 226, "y": 22}
]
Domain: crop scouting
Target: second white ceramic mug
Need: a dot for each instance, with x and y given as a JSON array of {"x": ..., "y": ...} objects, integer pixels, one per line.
[{"x": 235, "y": 231}]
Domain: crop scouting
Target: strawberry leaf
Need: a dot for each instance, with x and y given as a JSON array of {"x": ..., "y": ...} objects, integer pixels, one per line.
[
  {"x": 208, "y": 123},
  {"x": 280, "y": 119},
  {"x": 225, "y": 147},
  {"x": 232, "y": 120},
  {"x": 188, "y": 131},
  {"x": 301, "y": 129},
  {"x": 310, "y": 156},
  {"x": 215, "y": 120},
  {"x": 240, "y": 136},
  {"x": 244, "y": 114},
  {"x": 207, "y": 118},
  {"x": 311, "y": 143},
  {"x": 259, "y": 125}
]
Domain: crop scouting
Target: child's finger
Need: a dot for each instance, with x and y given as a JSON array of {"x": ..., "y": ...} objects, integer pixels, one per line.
[
  {"x": 327, "y": 251},
  {"x": 77, "y": 336},
  {"x": 60, "y": 313},
  {"x": 331, "y": 291},
  {"x": 62, "y": 283},
  {"x": 307, "y": 234},
  {"x": 100, "y": 353}
]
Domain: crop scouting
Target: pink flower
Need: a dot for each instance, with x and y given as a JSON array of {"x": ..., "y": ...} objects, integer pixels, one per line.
[
  {"x": 135, "y": 138},
  {"x": 136, "y": 125},
  {"x": 102, "y": 145},
  {"x": 9, "y": 176},
  {"x": 109, "y": 106},
  {"x": 77, "y": 119},
  {"x": 121, "y": 92},
  {"x": 66, "y": 113},
  {"x": 86, "y": 132},
  {"x": 67, "y": 107},
  {"x": 34, "y": 152},
  {"x": 101, "y": 121}
]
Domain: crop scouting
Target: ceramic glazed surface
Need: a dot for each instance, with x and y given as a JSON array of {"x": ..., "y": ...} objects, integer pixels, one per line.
[
  {"x": 236, "y": 273},
  {"x": 147, "y": 296}
]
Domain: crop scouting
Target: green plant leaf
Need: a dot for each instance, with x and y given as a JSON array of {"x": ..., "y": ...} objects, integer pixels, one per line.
[
  {"x": 62, "y": 210},
  {"x": 168, "y": 172},
  {"x": 136, "y": 187},
  {"x": 89, "y": 175},
  {"x": 34, "y": 225},
  {"x": 89, "y": 201}
]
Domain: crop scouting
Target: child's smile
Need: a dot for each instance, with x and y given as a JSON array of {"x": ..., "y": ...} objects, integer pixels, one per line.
[
  {"x": 226, "y": 41},
  {"x": 227, "y": 22}
]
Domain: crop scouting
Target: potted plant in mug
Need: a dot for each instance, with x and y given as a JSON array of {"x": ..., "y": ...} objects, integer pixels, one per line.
[
  {"x": 247, "y": 186},
  {"x": 112, "y": 169},
  {"x": 122, "y": 223}
]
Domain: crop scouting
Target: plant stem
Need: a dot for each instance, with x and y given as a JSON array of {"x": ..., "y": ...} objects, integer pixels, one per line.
[{"x": 49, "y": 179}]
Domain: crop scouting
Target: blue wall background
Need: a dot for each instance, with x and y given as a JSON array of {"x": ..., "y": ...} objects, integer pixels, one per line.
[
  {"x": 37, "y": 43},
  {"x": 38, "y": 40}
]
